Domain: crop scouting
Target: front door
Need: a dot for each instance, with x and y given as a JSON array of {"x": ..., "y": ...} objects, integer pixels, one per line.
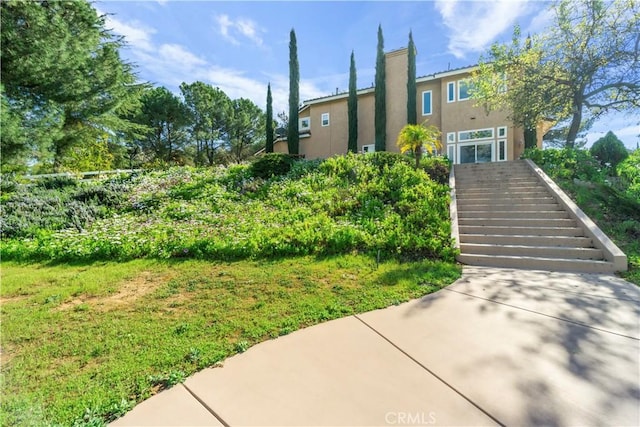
[{"x": 480, "y": 152}]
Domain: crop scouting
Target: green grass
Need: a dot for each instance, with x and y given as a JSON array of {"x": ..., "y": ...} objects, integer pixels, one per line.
[{"x": 82, "y": 343}]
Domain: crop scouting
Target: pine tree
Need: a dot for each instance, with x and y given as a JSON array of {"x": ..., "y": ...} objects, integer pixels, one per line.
[
  {"x": 269, "y": 121},
  {"x": 412, "y": 115},
  {"x": 380, "y": 119},
  {"x": 352, "y": 107},
  {"x": 293, "y": 138}
]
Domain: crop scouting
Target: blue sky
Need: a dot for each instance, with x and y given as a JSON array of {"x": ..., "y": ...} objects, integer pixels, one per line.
[{"x": 241, "y": 46}]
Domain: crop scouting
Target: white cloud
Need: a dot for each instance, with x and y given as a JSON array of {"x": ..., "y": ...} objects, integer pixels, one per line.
[
  {"x": 135, "y": 33},
  {"x": 540, "y": 22},
  {"x": 474, "y": 25},
  {"x": 170, "y": 64},
  {"x": 242, "y": 27}
]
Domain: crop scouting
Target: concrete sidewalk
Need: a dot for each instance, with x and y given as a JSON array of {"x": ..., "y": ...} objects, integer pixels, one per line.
[{"x": 499, "y": 346}]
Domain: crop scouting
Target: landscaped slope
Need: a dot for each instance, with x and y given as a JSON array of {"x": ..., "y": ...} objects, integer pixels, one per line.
[
  {"x": 84, "y": 341},
  {"x": 373, "y": 204}
]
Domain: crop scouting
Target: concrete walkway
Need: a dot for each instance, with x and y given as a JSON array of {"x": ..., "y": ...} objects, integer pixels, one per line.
[{"x": 498, "y": 347}]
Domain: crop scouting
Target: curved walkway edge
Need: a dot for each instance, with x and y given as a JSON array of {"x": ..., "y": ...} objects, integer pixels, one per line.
[{"x": 497, "y": 347}]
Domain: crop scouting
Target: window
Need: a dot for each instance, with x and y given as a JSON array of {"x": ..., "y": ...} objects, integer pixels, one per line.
[
  {"x": 502, "y": 132},
  {"x": 305, "y": 123},
  {"x": 502, "y": 150},
  {"x": 325, "y": 119},
  {"x": 464, "y": 90},
  {"x": 451, "y": 137},
  {"x": 451, "y": 152},
  {"x": 471, "y": 135},
  {"x": 426, "y": 103},
  {"x": 369, "y": 148},
  {"x": 451, "y": 91}
]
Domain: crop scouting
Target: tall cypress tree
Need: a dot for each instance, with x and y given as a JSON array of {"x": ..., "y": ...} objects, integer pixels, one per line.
[
  {"x": 269, "y": 121},
  {"x": 380, "y": 118},
  {"x": 293, "y": 138},
  {"x": 412, "y": 114},
  {"x": 352, "y": 107}
]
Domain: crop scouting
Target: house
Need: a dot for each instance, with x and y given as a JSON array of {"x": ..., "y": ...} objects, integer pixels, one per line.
[{"x": 470, "y": 134}]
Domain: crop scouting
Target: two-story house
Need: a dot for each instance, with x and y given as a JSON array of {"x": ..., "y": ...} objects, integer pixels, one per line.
[{"x": 469, "y": 133}]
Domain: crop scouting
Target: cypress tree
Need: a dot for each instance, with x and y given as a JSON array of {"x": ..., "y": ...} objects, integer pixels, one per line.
[
  {"x": 269, "y": 121},
  {"x": 380, "y": 119},
  {"x": 293, "y": 138},
  {"x": 352, "y": 107},
  {"x": 412, "y": 114}
]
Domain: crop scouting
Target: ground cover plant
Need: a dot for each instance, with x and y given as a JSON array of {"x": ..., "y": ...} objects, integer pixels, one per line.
[
  {"x": 371, "y": 204},
  {"x": 610, "y": 196},
  {"x": 150, "y": 278}
]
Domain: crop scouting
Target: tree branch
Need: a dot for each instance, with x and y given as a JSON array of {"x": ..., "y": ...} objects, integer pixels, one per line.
[{"x": 619, "y": 85}]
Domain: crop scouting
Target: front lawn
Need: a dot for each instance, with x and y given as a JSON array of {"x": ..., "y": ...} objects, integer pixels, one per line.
[{"x": 82, "y": 343}]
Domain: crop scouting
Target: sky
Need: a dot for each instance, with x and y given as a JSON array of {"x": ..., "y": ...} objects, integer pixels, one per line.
[{"x": 241, "y": 46}]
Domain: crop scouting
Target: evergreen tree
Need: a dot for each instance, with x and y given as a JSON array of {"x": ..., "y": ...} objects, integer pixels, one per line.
[
  {"x": 380, "y": 119},
  {"x": 269, "y": 121},
  {"x": 352, "y": 107},
  {"x": 293, "y": 137},
  {"x": 609, "y": 150},
  {"x": 62, "y": 77},
  {"x": 412, "y": 114},
  {"x": 209, "y": 110}
]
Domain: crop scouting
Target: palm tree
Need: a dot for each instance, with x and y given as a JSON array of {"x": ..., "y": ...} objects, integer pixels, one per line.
[{"x": 416, "y": 138}]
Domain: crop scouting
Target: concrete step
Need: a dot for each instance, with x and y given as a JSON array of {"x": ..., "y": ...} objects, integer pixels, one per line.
[
  {"x": 479, "y": 189},
  {"x": 518, "y": 222},
  {"x": 510, "y": 207},
  {"x": 521, "y": 231},
  {"x": 514, "y": 239},
  {"x": 532, "y": 251},
  {"x": 501, "y": 194},
  {"x": 471, "y": 180},
  {"x": 538, "y": 263},
  {"x": 470, "y": 201},
  {"x": 548, "y": 214}
]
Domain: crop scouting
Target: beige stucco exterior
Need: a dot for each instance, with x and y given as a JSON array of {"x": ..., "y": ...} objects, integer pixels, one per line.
[{"x": 458, "y": 118}]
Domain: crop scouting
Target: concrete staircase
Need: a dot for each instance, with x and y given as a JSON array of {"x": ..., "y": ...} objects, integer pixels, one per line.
[{"x": 508, "y": 216}]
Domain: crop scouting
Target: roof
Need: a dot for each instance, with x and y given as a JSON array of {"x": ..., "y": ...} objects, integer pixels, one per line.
[{"x": 371, "y": 89}]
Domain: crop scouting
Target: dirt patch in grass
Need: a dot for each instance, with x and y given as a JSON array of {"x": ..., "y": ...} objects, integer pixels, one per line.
[{"x": 129, "y": 292}]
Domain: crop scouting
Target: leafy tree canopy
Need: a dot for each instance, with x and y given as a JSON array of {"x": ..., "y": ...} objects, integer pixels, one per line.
[
  {"x": 609, "y": 150},
  {"x": 586, "y": 64},
  {"x": 63, "y": 80}
]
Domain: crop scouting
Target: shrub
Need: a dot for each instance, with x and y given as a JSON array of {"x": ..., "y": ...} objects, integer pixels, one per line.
[
  {"x": 57, "y": 182},
  {"x": 272, "y": 164},
  {"x": 629, "y": 172},
  {"x": 437, "y": 168},
  {"x": 567, "y": 164},
  {"x": 609, "y": 151}
]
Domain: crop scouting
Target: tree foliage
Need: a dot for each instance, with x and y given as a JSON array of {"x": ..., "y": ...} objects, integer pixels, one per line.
[
  {"x": 64, "y": 83},
  {"x": 269, "y": 122},
  {"x": 293, "y": 137},
  {"x": 412, "y": 114},
  {"x": 352, "y": 107},
  {"x": 586, "y": 64},
  {"x": 166, "y": 118},
  {"x": 609, "y": 150},
  {"x": 208, "y": 111},
  {"x": 246, "y": 129},
  {"x": 380, "y": 118},
  {"x": 419, "y": 138}
]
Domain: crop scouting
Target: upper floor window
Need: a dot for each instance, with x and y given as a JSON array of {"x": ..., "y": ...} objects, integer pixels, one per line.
[
  {"x": 305, "y": 123},
  {"x": 465, "y": 87},
  {"x": 471, "y": 135},
  {"x": 324, "y": 120},
  {"x": 451, "y": 91},
  {"x": 426, "y": 103}
]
